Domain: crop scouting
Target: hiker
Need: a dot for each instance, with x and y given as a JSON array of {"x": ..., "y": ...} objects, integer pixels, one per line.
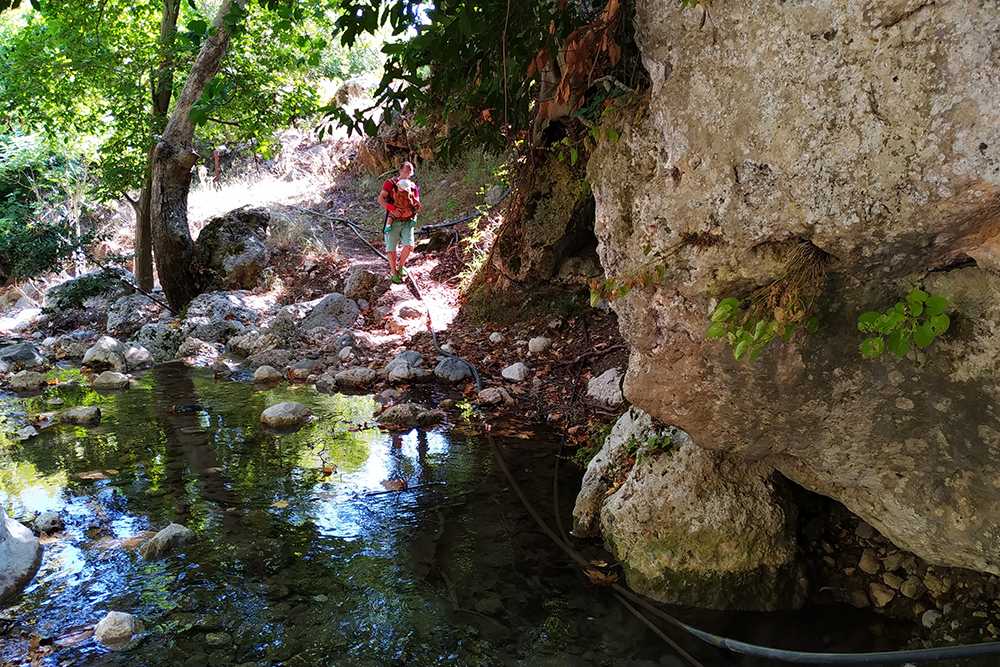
[{"x": 401, "y": 201}]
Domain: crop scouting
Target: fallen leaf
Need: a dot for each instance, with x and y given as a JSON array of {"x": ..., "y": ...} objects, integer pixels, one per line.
[
  {"x": 599, "y": 563},
  {"x": 395, "y": 484},
  {"x": 281, "y": 504},
  {"x": 328, "y": 470},
  {"x": 601, "y": 579}
]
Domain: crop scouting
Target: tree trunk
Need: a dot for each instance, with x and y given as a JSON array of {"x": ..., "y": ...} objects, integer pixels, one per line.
[
  {"x": 173, "y": 158},
  {"x": 162, "y": 90}
]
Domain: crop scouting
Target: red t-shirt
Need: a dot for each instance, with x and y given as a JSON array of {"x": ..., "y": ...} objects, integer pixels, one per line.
[{"x": 390, "y": 187}]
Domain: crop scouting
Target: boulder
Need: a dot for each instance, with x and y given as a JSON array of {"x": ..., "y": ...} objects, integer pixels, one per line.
[
  {"x": 268, "y": 375},
  {"x": 859, "y": 161},
  {"x": 606, "y": 388},
  {"x": 49, "y": 523},
  {"x": 690, "y": 526},
  {"x": 452, "y": 370},
  {"x": 105, "y": 285},
  {"x": 117, "y": 629},
  {"x": 357, "y": 377},
  {"x": 27, "y": 381},
  {"x": 408, "y": 414},
  {"x": 363, "y": 284},
  {"x": 168, "y": 540},
  {"x": 127, "y": 313},
  {"x": 87, "y": 415},
  {"x": 286, "y": 415},
  {"x": 495, "y": 395},
  {"x": 106, "y": 353},
  {"x": 253, "y": 342},
  {"x": 161, "y": 340},
  {"x": 21, "y": 353},
  {"x": 234, "y": 248},
  {"x": 20, "y": 556},
  {"x": 334, "y": 311},
  {"x": 111, "y": 380}
]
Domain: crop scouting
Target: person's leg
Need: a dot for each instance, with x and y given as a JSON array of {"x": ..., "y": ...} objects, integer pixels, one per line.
[
  {"x": 402, "y": 257},
  {"x": 406, "y": 238},
  {"x": 392, "y": 261},
  {"x": 391, "y": 241}
]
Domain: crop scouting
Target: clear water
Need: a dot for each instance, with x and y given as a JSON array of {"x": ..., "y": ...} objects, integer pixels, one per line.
[{"x": 294, "y": 566}]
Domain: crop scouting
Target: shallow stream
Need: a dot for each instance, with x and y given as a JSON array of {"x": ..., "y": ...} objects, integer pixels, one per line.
[{"x": 297, "y": 565}]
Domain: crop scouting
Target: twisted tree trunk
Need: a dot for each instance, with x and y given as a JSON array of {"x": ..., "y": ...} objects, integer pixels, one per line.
[{"x": 173, "y": 158}]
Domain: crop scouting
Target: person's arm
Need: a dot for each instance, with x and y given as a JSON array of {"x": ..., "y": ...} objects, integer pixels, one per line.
[{"x": 383, "y": 200}]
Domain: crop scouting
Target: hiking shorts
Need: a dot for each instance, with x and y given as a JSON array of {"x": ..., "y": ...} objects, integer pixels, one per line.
[{"x": 401, "y": 232}]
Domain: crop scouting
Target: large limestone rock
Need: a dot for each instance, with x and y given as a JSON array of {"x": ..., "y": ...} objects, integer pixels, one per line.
[
  {"x": 868, "y": 134},
  {"x": 20, "y": 556},
  {"x": 20, "y": 353},
  {"x": 690, "y": 526},
  {"x": 334, "y": 311},
  {"x": 233, "y": 247}
]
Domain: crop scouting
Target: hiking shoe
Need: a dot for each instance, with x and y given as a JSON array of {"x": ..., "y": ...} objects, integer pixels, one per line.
[
  {"x": 403, "y": 274},
  {"x": 396, "y": 278}
]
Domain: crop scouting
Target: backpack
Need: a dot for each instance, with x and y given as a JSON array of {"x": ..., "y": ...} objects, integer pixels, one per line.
[{"x": 403, "y": 199}]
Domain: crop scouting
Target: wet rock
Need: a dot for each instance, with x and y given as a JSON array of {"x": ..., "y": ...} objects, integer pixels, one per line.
[
  {"x": 447, "y": 404},
  {"x": 218, "y": 639},
  {"x": 286, "y": 415},
  {"x": 168, "y": 540},
  {"x": 117, "y": 629},
  {"x": 937, "y": 585},
  {"x": 111, "y": 380},
  {"x": 309, "y": 366},
  {"x": 267, "y": 375},
  {"x": 108, "y": 353},
  {"x": 363, "y": 284},
  {"x": 495, "y": 395},
  {"x": 22, "y": 353},
  {"x": 881, "y": 595},
  {"x": 195, "y": 348},
  {"x": 517, "y": 372},
  {"x": 404, "y": 368},
  {"x": 869, "y": 563},
  {"x": 136, "y": 357},
  {"x": 408, "y": 414},
  {"x": 859, "y": 598},
  {"x": 335, "y": 311},
  {"x": 497, "y": 337},
  {"x": 539, "y": 344},
  {"x": 452, "y": 370},
  {"x": 20, "y": 556},
  {"x": 893, "y": 561},
  {"x": 49, "y": 522},
  {"x": 87, "y": 415},
  {"x": 356, "y": 377},
  {"x": 26, "y": 432},
  {"x": 893, "y": 581},
  {"x": 27, "y": 381},
  {"x": 606, "y": 388}
]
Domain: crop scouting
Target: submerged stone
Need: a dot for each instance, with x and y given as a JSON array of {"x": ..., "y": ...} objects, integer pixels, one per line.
[{"x": 166, "y": 541}]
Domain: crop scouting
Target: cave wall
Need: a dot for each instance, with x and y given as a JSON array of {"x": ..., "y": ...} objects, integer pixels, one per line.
[{"x": 871, "y": 132}]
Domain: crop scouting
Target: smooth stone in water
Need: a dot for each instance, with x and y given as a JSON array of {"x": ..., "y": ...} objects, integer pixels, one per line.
[
  {"x": 286, "y": 415},
  {"x": 117, "y": 629},
  {"x": 166, "y": 541},
  {"x": 267, "y": 375},
  {"x": 27, "y": 381},
  {"x": 49, "y": 522},
  {"x": 82, "y": 416}
]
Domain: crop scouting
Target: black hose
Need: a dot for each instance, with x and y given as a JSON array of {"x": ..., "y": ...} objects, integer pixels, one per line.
[{"x": 429, "y": 228}]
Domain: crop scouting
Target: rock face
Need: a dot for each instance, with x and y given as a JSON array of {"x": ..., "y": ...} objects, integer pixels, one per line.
[
  {"x": 691, "y": 526},
  {"x": 233, "y": 247},
  {"x": 20, "y": 556},
  {"x": 858, "y": 142}
]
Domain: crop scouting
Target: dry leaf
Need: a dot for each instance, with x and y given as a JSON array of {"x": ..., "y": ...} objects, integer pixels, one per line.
[
  {"x": 601, "y": 579},
  {"x": 281, "y": 504},
  {"x": 599, "y": 563}
]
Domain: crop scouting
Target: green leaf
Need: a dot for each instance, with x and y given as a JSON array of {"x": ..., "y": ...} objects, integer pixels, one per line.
[
  {"x": 647, "y": 249},
  {"x": 939, "y": 324},
  {"x": 721, "y": 314},
  {"x": 917, "y": 296},
  {"x": 872, "y": 347},
  {"x": 889, "y": 323},
  {"x": 573, "y": 155},
  {"x": 731, "y": 303},
  {"x": 936, "y": 305},
  {"x": 717, "y": 330},
  {"x": 754, "y": 353},
  {"x": 594, "y": 298},
  {"x": 661, "y": 271},
  {"x": 813, "y": 325},
  {"x": 899, "y": 343},
  {"x": 623, "y": 290},
  {"x": 789, "y": 330},
  {"x": 612, "y": 135},
  {"x": 923, "y": 335},
  {"x": 740, "y": 349},
  {"x": 759, "y": 330}
]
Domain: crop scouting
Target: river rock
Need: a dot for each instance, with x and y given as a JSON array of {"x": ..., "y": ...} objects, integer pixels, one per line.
[
  {"x": 117, "y": 629},
  {"x": 49, "y": 522},
  {"x": 404, "y": 367},
  {"x": 517, "y": 372},
  {"x": 20, "y": 556},
  {"x": 334, "y": 311},
  {"x": 23, "y": 353},
  {"x": 286, "y": 415},
  {"x": 880, "y": 595},
  {"x": 452, "y": 370},
  {"x": 539, "y": 344},
  {"x": 268, "y": 375},
  {"x": 494, "y": 396},
  {"x": 690, "y": 526},
  {"x": 606, "y": 388},
  {"x": 127, "y": 312},
  {"x": 497, "y": 337},
  {"x": 252, "y": 342},
  {"x": 861, "y": 145},
  {"x": 408, "y": 414},
  {"x": 111, "y": 380},
  {"x": 27, "y": 381},
  {"x": 356, "y": 377},
  {"x": 84, "y": 415},
  {"x": 168, "y": 540}
]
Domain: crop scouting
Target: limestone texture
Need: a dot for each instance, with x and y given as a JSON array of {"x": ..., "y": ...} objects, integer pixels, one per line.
[
  {"x": 20, "y": 556},
  {"x": 859, "y": 140}
]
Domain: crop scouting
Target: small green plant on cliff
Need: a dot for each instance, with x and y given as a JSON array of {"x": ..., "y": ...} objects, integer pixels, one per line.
[
  {"x": 775, "y": 311},
  {"x": 642, "y": 450},
  {"x": 918, "y": 320},
  {"x": 611, "y": 288}
]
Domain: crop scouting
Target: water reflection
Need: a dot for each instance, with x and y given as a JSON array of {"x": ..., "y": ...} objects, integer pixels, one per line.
[{"x": 292, "y": 564}]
